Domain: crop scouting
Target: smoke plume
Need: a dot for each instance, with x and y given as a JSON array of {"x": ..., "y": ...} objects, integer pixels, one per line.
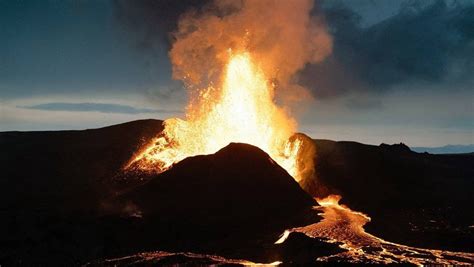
[{"x": 281, "y": 36}]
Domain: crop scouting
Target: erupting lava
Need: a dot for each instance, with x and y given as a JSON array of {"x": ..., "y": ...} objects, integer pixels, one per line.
[
  {"x": 231, "y": 57},
  {"x": 241, "y": 110}
]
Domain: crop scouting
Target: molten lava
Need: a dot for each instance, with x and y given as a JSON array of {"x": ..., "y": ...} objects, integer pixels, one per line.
[
  {"x": 345, "y": 227},
  {"x": 242, "y": 109}
]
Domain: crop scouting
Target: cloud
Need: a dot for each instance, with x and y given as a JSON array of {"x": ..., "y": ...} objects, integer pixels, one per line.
[
  {"x": 96, "y": 107},
  {"x": 427, "y": 44}
]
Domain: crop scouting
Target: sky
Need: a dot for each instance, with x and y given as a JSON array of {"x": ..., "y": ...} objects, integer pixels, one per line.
[{"x": 400, "y": 71}]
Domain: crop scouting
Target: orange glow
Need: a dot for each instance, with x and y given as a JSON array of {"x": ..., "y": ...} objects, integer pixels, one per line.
[
  {"x": 241, "y": 110},
  {"x": 345, "y": 227},
  {"x": 331, "y": 200}
]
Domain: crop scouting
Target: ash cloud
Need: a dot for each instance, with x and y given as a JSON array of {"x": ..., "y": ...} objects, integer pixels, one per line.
[{"x": 426, "y": 44}]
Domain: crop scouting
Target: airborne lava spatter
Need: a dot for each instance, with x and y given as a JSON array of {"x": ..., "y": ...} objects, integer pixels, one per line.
[{"x": 243, "y": 110}]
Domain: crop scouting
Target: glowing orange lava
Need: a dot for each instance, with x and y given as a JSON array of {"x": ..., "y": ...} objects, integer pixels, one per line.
[
  {"x": 241, "y": 110},
  {"x": 344, "y": 226}
]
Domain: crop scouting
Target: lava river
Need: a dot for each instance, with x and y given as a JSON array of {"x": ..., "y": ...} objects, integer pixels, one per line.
[{"x": 343, "y": 226}]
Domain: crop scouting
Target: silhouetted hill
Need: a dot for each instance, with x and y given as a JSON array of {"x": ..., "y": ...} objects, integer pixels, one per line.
[
  {"x": 51, "y": 184},
  {"x": 63, "y": 167}
]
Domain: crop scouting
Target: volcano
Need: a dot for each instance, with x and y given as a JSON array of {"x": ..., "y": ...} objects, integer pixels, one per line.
[
  {"x": 235, "y": 200},
  {"x": 65, "y": 200}
]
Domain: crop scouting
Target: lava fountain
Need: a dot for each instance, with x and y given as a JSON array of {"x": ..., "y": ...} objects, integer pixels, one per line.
[
  {"x": 236, "y": 58},
  {"x": 243, "y": 110}
]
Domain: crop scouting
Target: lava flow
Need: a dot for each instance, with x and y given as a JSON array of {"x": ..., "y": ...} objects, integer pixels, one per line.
[
  {"x": 242, "y": 111},
  {"x": 145, "y": 258},
  {"x": 345, "y": 227}
]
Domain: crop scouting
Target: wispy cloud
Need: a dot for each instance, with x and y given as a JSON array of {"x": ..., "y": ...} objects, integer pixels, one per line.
[{"x": 96, "y": 107}]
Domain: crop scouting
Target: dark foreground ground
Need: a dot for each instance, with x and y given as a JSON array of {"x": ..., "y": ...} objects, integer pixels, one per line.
[{"x": 58, "y": 203}]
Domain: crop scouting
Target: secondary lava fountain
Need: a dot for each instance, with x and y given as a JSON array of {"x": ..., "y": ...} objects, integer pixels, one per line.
[{"x": 244, "y": 110}]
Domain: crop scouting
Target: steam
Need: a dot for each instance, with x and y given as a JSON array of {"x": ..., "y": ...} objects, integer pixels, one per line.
[{"x": 282, "y": 37}]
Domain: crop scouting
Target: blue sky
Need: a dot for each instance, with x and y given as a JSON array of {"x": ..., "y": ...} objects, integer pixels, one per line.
[{"x": 401, "y": 71}]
